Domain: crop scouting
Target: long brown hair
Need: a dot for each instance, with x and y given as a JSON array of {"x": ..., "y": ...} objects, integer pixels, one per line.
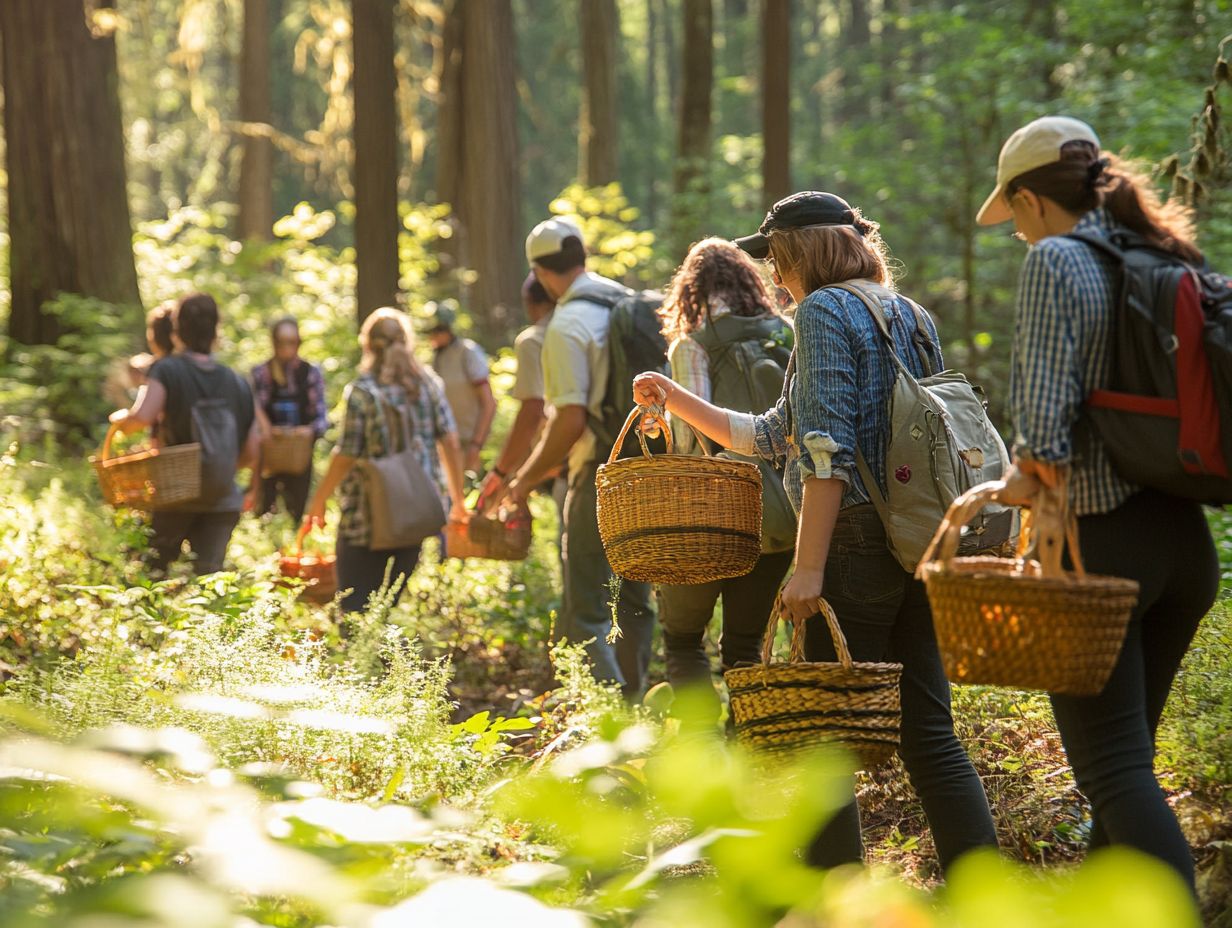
[
  {"x": 1086, "y": 179},
  {"x": 713, "y": 270},
  {"x": 388, "y": 344},
  {"x": 827, "y": 255}
]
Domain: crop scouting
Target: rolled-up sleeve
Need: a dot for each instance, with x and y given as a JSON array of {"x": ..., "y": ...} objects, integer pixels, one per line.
[
  {"x": 1046, "y": 393},
  {"x": 824, "y": 394},
  {"x": 566, "y": 373}
]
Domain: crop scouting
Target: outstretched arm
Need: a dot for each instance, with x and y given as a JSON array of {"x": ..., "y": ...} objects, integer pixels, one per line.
[{"x": 653, "y": 389}]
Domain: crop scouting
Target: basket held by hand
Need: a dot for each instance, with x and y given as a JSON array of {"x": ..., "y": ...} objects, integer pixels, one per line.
[
  {"x": 790, "y": 706},
  {"x": 158, "y": 478},
  {"x": 1025, "y": 623}
]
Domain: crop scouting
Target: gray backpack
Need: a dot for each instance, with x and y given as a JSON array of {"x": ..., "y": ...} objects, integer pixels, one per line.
[{"x": 941, "y": 444}]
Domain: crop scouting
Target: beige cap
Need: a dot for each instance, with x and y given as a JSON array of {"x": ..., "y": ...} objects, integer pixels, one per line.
[
  {"x": 1033, "y": 146},
  {"x": 549, "y": 236}
]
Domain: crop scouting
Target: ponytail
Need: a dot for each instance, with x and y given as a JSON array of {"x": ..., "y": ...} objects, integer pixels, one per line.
[
  {"x": 388, "y": 344},
  {"x": 1086, "y": 179}
]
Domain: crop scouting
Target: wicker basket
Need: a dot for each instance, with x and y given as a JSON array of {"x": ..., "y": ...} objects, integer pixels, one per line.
[
  {"x": 287, "y": 450},
  {"x": 1025, "y": 623},
  {"x": 319, "y": 571},
  {"x": 678, "y": 518},
  {"x": 159, "y": 478},
  {"x": 795, "y": 705},
  {"x": 504, "y": 535}
]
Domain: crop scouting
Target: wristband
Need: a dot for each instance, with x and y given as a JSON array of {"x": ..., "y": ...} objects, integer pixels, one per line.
[{"x": 500, "y": 473}]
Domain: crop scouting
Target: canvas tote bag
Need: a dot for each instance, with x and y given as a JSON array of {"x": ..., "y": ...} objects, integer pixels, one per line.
[{"x": 404, "y": 506}]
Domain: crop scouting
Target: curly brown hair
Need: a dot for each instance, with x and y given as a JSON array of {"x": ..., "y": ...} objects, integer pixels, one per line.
[{"x": 713, "y": 269}]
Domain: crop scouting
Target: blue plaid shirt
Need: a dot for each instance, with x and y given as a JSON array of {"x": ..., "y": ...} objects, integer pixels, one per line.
[
  {"x": 1061, "y": 353},
  {"x": 838, "y": 397}
]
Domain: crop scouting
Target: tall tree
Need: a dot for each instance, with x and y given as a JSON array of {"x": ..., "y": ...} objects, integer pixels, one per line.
[
  {"x": 256, "y": 195},
  {"x": 478, "y": 173},
  {"x": 776, "y": 99},
  {"x": 376, "y": 154},
  {"x": 599, "y": 24},
  {"x": 690, "y": 181},
  {"x": 69, "y": 223}
]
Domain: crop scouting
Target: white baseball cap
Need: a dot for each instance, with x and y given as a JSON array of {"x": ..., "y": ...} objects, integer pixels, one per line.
[
  {"x": 1033, "y": 146},
  {"x": 548, "y": 238}
]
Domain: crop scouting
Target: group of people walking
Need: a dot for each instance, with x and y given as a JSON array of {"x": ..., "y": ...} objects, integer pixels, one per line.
[{"x": 808, "y": 399}]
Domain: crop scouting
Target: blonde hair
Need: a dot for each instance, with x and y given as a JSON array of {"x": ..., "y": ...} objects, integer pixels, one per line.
[
  {"x": 827, "y": 255},
  {"x": 714, "y": 269},
  {"x": 388, "y": 344}
]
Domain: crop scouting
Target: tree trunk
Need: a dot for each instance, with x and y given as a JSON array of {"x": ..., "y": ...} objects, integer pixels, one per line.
[
  {"x": 690, "y": 187},
  {"x": 776, "y": 99},
  {"x": 488, "y": 198},
  {"x": 598, "y": 138},
  {"x": 69, "y": 224},
  {"x": 376, "y": 155},
  {"x": 256, "y": 196},
  {"x": 650, "y": 160}
]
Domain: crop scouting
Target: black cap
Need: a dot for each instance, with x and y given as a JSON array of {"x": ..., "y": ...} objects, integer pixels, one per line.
[{"x": 798, "y": 211}]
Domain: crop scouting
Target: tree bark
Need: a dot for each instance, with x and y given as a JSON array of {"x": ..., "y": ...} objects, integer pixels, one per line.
[
  {"x": 690, "y": 187},
  {"x": 650, "y": 160},
  {"x": 69, "y": 224},
  {"x": 485, "y": 188},
  {"x": 376, "y": 155},
  {"x": 776, "y": 99},
  {"x": 598, "y": 138},
  {"x": 256, "y": 194}
]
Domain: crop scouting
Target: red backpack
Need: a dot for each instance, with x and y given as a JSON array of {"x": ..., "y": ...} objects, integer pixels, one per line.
[{"x": 1166, "y": 416}]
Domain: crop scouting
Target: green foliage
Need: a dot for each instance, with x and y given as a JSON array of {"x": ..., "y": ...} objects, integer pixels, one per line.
[{"x": 607, "y": 221}]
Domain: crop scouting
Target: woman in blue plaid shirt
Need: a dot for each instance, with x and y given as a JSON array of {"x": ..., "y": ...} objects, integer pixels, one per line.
[
  {"x": 1053, "y": 179},
  {"x": 838, "y": 401}
]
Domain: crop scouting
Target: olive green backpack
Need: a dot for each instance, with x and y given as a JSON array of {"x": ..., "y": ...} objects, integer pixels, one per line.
[{"x": 748, "y": 361}]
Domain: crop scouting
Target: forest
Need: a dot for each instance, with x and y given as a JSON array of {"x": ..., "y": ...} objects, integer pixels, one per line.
[{"x": 219, "y": 752}]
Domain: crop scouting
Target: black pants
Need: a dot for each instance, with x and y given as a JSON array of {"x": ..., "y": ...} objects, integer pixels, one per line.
[
  {"x": 207, "y": 534},
  {"x": 362, "y": 571},
  {"x": 884, "y": 614},
  {"x": 293, "y": 488},
  {"x": 1165, "y": 544},
  {"x": 685, "y": 612}
]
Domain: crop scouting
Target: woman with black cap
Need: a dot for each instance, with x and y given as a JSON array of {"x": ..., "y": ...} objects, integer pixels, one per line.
[
  {"x": 834, "y": 403},
  {"x": 1054, "y": 181}
]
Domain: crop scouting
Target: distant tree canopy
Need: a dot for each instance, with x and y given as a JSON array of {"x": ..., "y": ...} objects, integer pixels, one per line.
[{"x": 702, "y": 110}]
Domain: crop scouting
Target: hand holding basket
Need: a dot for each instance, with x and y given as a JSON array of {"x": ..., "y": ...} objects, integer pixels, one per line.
[{"x": 319, "y": 571}]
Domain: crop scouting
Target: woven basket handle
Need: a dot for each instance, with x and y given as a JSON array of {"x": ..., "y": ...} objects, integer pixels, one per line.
[
  {"x": 112, "y": 431},
  {"x": 654, "y": 412},
  {"x": 298, "y": 548},
  {"x": 797, "y": 635}
]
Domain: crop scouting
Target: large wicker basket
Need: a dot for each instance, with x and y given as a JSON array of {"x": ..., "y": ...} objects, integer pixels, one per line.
[
  {"x": 791, "y": 706},
  {"x": 287, "y": 450},
  {"x": 319, "y": 571},
  {"x": 504, "y": 535},
  {"x": 675, "y": 518},
  {"x": 1020, "y": 622},
  {"x": 158, "y": 478}
]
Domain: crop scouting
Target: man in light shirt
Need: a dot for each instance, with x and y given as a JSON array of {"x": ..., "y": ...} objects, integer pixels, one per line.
[
  {"x": 575, "y": 375},
  {"x": 463, "y": 368}
]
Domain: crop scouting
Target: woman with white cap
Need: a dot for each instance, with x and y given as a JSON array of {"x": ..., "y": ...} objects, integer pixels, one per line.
[
  {"x": 1053, "y": 179},
  {"x": 835, "y": 407}
]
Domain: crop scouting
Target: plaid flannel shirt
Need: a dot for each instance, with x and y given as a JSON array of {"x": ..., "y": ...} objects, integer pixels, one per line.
[{"x": 263, "y": 388}]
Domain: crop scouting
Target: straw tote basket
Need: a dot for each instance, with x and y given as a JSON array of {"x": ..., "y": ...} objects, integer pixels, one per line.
[
  {"x": 318, "y": 570},
  {"x": 158, "y": 478},
  {"x": 287, "y": 450},
  {"x": 504, "y": 535},
  {"x": 1025, "y": 623},
  {"x": 800, "y": 704},
  {"x": 676, "y": 518}
]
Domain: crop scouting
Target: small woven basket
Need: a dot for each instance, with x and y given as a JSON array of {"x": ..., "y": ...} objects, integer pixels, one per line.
[
  {"x": 158, "y": 478},
  {"x": 1025, "y": 623},
  {"x": 796, "y": 705},
  {"x": 504, "y": 535},
  {"x": 675, "y": 518},
  {"x": 287, "y": 450},
  {"x": 319, "y": 571}
]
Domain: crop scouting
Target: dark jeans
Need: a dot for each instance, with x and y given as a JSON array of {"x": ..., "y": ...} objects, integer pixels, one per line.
[
  {"x": 1165, "y": 544},
  {"x": 362, "y": 571},
  {"x": 293, "y": 488},
  {"x": 207, "y": 534},
  {"x": 884, "y": 614},
  {"x": 685, "y": 612},
  {"x": 585, "y": 613}
]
